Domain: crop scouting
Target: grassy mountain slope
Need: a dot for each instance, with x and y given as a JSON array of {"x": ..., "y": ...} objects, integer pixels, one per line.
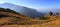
[{"x": 10, "y": 18}]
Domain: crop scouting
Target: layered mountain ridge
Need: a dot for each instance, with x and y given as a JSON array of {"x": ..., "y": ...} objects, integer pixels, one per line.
[{"x": 21, "y": 9}]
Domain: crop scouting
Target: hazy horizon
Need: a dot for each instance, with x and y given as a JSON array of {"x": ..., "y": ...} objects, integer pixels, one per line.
[
  {"x": 39, "y": 5},
  {"x": 36, "y": 4}
]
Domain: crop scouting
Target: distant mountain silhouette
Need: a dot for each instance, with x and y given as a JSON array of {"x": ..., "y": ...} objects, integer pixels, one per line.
[{"x": 21, "y": 9}]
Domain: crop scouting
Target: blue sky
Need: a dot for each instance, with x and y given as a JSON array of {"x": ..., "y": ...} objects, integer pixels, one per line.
[{"x": 36, "y": 4}]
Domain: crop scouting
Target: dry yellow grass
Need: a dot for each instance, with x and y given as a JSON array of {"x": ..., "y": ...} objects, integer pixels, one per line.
[{"x": 15, "y": 20}]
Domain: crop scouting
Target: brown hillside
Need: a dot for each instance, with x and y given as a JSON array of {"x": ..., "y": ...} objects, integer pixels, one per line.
[{"x": 9, "y": 18}]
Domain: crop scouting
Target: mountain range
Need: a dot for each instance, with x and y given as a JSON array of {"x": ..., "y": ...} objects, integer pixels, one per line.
[
  {"x": 21, "y": 9},
  {"x": 28, "y": 11}
]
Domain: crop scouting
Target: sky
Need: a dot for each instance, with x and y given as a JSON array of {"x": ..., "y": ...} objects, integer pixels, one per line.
[{"x": 36, "y": 4}]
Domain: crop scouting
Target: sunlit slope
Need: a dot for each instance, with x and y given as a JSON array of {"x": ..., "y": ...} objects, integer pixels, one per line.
[{"x": 10, "y": 18}]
